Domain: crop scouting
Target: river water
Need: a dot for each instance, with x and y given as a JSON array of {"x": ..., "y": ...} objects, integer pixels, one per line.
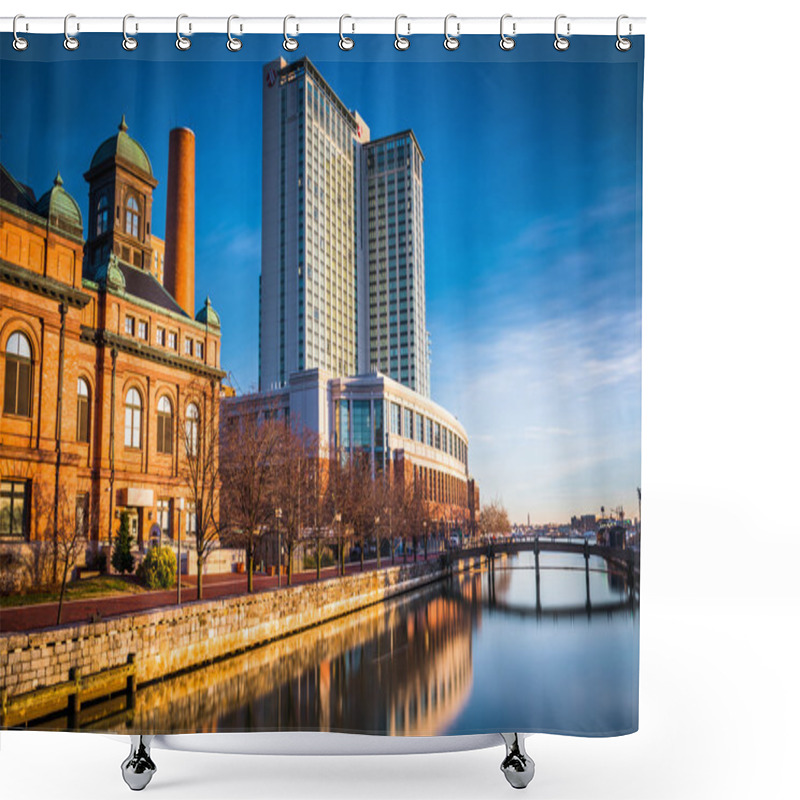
[{"x": 511, "y": 649}]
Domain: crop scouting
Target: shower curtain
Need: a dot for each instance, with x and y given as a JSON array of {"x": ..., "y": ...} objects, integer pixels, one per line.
[{"x": 321, "y": 385}]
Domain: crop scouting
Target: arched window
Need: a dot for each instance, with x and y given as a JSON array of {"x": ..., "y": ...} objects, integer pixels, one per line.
[
  {"x": 132, "y": 217},
  {"x": 19, "y": 373},
  {"x": 102, "y": 215},
  {"x": 133, "y": 419},
  {"x": 192, "y": 424},
  {"x": 83, "y": 411},
  {"x": 164, "y": 420}
]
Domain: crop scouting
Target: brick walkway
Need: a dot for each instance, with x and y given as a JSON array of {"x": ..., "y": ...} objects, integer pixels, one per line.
[{"x": 43, "y": 615}]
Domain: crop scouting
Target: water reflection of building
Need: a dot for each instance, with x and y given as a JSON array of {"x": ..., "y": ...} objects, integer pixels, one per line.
[
  {"x": 404, "y": 668},
  {"x": 410, "y": 679}
]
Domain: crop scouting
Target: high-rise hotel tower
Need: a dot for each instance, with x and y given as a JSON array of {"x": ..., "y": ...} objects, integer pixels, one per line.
[{"x": 342, "y": 284}]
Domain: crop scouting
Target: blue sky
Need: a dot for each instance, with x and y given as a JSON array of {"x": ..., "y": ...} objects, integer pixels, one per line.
[{"x": 532, "y": 221}]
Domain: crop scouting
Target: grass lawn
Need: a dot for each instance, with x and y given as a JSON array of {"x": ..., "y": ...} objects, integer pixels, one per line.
[{"x": 101, "y": 586}]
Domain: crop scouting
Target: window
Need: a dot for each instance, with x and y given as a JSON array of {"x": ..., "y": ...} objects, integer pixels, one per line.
[
  {"x": 199, "y": 350},
  {"x": 132, "y": 217},
  {"x": 172, "y": 340},
  {"x": 83, "y": 411},
  {"x": 395, "y": 419},
  {"x": 160, "y": 336},
  {"x": 408, "y": 423},
  {"x": 14, "y": 508},
  {"x": 82, "y": 514},
  {"x": 164, "y": 425},
  {"x": 163, "y": 516},
  {"x": 361, "y": 424},
  {"x": 102, "y": 215},
  {"x": 129, "y": 323},
  {"x": 187, "y": 347},
  {"x": 143, "y": 330},
  {"x": 133, "y": 419},
  {"x": 19, "y": 372},
  {"x": 192, "y": 422},
  {"x": 191, "y": 520}
]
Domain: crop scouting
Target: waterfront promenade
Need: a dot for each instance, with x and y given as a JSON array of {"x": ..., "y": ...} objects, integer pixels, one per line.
[{"x": 43, "y": 615}]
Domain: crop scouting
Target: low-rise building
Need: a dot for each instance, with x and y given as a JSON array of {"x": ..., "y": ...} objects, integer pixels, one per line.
[
  {"x": 403, "y": 432},
  {"x": 101, "y": 368}
]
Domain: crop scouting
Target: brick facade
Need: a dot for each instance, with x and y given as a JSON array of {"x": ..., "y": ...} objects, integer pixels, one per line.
[{"x": 93, "y": 321}]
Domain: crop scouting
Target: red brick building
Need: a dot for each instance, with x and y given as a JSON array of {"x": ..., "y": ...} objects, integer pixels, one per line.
[{"x": 103, "y": 373}]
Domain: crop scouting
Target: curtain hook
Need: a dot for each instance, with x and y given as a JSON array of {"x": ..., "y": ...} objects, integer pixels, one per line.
[
  {"x": 181, "y": 42},
  {"x": 289, "y": 43},
  {"x": 401, "y": 42},
  {"x": 70, "y": 42},
  {"x": 622, "y": 44},
  {"x": 561, "y": 43},
  {"x": 233, "y": 44},
  {"x": 507, "y": 42},
  {"x": 128, "y": 42},
  {"x": 451, "y": 42},
  {"x": 20, "y": 43},
  {"x": 345, "y": 42}
]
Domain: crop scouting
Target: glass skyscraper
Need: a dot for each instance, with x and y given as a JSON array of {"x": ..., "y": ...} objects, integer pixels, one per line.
[{"x": 342, "y": 283}]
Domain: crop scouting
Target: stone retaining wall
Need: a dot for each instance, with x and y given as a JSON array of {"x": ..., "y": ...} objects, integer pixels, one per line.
[{"x": 172, "y": 639}]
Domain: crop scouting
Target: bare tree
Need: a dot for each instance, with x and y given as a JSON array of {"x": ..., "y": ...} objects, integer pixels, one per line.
[
  {"x": 249, "y": 451},
  {"x": 389, "y": 499},
  {"x": 296, "y": 483},
  {"x": 336, "y": 500},
  {"x": 64, "y": 527},
  {"x": 321, "y": 510},
  {"x": 358, "y": 508},
  {"x": 494, "y": 519},
  {"x": 198, "y": 430}
]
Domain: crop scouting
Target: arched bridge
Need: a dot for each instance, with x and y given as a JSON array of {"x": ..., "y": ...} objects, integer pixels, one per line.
[
  {"x": 626, "y": 561},
  {"x": 541, "y": 544}
]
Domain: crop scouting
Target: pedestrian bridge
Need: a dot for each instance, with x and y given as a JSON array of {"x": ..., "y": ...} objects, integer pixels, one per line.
[
  {"x": 542, "y": 544},
  {"x": 625, "y": 561}
]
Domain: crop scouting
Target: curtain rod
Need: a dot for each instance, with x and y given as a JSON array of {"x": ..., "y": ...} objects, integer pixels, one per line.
[{"x": 406, "y": 25}]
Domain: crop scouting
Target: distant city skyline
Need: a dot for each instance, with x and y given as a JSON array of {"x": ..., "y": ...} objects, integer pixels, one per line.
[{"x": 532, "y": 232}]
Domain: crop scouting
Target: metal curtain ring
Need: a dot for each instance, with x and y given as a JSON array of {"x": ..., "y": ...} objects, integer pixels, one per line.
[
  {"x": 622, "y": 44},
  {"x": 401, "y": 42},
  {"x": 128, "y": 42},
  {"x": 181, "y": 42},
  {"x": 561, "y": 43},
  {"x": 70, "y": 42},
  {"x": 507, "y": 42},
  {"x": 289, "y": 43},
  {"x": 19, "y": 42},
  {"x": 451, "y": 42},
  {"x": 233, "y": 44},
  {"x": 345, "y": 42}
]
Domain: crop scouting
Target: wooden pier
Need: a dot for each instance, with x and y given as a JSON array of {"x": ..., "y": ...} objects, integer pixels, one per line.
[{"x": 77, "y": 698}]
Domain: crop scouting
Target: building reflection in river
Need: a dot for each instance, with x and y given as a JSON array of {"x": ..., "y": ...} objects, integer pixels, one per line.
[{"x": 471, "y": 654}]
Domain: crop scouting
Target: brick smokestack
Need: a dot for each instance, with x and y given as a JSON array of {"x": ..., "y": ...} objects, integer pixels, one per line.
[{"x": 179, "y": 245}]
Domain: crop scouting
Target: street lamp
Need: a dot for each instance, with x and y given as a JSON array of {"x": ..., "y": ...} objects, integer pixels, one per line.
[
  {"x": 278, "y": 516},
  {"x": 377, "y": 543},
  {"x": 337, "y": 520}
]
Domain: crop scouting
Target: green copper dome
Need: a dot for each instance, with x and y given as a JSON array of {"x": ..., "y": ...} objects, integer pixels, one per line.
[
  {"x": 125, "y": 147},
  {"x": 109, "y": 275},
  {"x": 207, "y": 316},
  {"x": 60, "y": 208}
]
